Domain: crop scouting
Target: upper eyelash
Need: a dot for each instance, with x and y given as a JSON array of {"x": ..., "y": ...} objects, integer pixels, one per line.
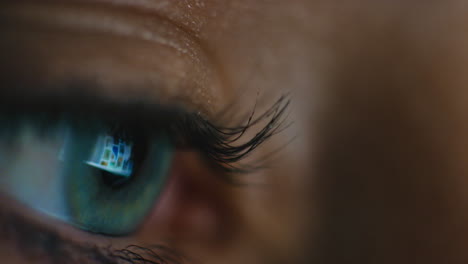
[
  {"x": 225, "y": 146},
  {"x": 222, "y": 145}
]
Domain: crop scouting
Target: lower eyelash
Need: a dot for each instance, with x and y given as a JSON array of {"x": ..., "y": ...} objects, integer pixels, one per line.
[
  {"x": 36, "y": 242},
  {"x": 133, "y": 254}
]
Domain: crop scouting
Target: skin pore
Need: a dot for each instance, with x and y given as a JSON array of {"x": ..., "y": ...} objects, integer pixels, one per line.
[{"x": 371, "y": 170}]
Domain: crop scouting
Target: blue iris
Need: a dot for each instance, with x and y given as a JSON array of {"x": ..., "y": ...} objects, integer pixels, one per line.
[
  {"x": 97, "y": 180},
  {"x": 107, "y": 197}
]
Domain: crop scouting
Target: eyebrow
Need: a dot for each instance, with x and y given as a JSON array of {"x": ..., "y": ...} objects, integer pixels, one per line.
[{"x": 38, "y": 243}]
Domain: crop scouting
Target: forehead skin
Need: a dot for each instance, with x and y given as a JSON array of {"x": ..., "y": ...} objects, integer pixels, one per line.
[{"x": 377, "y": 171}]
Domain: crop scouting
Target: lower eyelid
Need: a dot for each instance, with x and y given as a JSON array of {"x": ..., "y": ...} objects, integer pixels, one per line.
[
  {"x": 192, "y": 209},
  {"x": 193, "y": 206},
  {"x": 34, "y": 220},
  {"x": 51, "y": 241}
]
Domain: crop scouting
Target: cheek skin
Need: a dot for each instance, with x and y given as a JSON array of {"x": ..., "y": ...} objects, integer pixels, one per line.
[{"x": 194, "y": 210}]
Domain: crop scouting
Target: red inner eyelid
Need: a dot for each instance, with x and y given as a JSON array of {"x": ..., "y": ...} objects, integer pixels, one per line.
[{"x": 193, "y": 207}]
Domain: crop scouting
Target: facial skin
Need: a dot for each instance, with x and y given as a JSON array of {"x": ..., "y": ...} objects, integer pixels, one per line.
[{"x": 375, "y": 170}]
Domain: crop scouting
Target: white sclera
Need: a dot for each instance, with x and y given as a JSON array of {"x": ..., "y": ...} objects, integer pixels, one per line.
[
  {"x": 32, "y": 166},
  {"x": 31, "y": 170}
]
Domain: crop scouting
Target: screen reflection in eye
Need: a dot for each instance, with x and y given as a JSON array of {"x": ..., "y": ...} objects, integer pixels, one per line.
[
  {"x": 104, "y": 175},
  {"x": 99, "y": 181}
]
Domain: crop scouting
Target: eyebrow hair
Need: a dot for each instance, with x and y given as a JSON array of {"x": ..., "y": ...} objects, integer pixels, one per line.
[{"x": 38, "y": 243}]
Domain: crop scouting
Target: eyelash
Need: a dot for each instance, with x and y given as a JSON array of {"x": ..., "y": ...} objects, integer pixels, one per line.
[
  {"x": 218, "y": 144},
  {"x": 34, "y": 240}
]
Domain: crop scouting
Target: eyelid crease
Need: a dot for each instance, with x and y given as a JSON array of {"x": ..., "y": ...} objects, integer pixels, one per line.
[
  {"x": 185, "y": 15},
  {"x": 151, "y": 28}
]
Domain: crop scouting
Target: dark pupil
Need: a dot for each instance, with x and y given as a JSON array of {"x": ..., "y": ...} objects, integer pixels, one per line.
[{"x": 113, "y": 180}]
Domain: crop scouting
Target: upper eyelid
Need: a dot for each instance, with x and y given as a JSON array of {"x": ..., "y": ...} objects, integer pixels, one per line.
[
  {"x": 236, "y": 152},
  {"x": 154, "y": 55},
  {"x": 225, "y": 146}
]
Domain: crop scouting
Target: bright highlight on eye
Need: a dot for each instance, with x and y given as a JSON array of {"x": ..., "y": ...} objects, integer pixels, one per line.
[
  {"x": 112, "y": 156},
  {"x": 99, "y": 179}
]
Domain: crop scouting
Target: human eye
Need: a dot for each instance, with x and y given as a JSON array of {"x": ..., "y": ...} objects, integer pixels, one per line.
[
  {"x": 100, "y": 176},
  {"x": 108, "y": 142},
  {"x": 102, "y": 167},
  {"x": 103, "y": 172}
]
